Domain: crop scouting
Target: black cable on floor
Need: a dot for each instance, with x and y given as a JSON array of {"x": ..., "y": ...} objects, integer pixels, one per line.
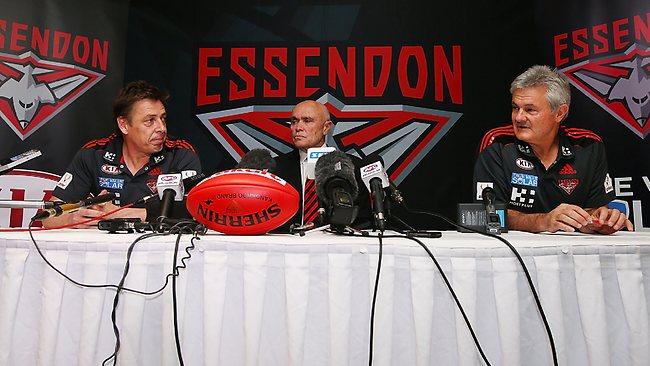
[{"x": 529, "y": 280}]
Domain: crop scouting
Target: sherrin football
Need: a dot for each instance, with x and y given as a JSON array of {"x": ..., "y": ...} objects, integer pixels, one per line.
[{"x": 243, "y": 202}]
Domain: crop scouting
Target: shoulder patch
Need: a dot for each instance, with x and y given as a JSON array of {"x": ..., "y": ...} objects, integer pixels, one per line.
[{"x": 505, "y": 134}]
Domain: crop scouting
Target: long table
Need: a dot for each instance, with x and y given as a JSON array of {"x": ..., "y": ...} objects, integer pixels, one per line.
[{"x": 292, "y": 300}]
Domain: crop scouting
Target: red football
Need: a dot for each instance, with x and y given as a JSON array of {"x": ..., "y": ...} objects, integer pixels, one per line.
[{"x": 243, "y": 202}]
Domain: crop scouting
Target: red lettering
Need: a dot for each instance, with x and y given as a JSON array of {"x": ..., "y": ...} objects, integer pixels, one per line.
[
  {"x": 279, "y": 54},
  {"x": 17, "y": 35},
  {"x": 303, "y": 71},
  {"x": 641, "y": 28},
  {"x": 383, "y": 54},
  {"x": 402, "y": 72},
  {"x": 61, "y": 44},
  {"x": 205, "y": 72},
  {"x": 3, "y": 27},
  {"x": 451, "y": 76},
  {"x": 16, "y": 214},
  {"x": 559, "y": 43},
  {"x": 40, "y": 42},
  {"x": 346, "y": 74},
  {"x": 81, "y": 49},
  {"x": 100, "y": 55},
  {"x": 600, "y": 31},
  {"x": 580, "y": 49},
  {"x": 236, "y": 55},
  {"x": 620, "y": 33}
]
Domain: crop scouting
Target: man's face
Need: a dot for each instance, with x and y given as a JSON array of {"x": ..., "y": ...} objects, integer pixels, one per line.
[
  {"x": 533, "y": 120},
  {"x": 309, "y": 125},
  {"x": 145, "y": 128}
]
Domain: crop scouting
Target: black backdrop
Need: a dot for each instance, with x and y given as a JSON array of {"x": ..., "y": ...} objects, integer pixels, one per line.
[{"x": 496, "y": 40}]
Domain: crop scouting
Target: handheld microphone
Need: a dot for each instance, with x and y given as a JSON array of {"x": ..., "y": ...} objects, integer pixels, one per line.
[
  {"x": 337, "y": 188},
  {"x": 493, "y": 221},
  {"x": 59, "y": 210},
  {"x": 375, "y": 178},
  {"x": 259, "y": 159},
  {"x": 170, "y": 188},
  {"x": 313, "y": 153}
]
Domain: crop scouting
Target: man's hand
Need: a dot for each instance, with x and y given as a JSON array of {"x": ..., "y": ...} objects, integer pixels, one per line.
[
  {"x": 570, "y": 218},
  {"x": 607, "y": 221},
  {"x": 90, "y": 212},
  {"x": 567, "y": 218}
]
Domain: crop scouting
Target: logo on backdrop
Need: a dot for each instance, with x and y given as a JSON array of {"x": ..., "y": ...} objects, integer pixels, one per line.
[
  {"x": 402, "y": 134},
  {"x": 26, "y": 185},
  {"x": 33, "y": 91},
  {"x": 610, "y": 64}
]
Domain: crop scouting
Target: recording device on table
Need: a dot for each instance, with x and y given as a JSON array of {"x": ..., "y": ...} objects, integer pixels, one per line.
[
  {"x": 336, "y": 187},
  {"x": 489, "y": 217}
]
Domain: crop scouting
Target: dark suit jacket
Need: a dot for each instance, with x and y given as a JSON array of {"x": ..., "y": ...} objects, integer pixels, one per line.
[{"x": 288, "y": 168}]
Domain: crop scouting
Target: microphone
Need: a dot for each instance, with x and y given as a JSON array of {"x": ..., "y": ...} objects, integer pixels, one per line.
[
  {"x": 259, "y": 159},
  {"x": 375, "y": 178},
  {"x": 191, "y": 181},
  {"x": 59, "y": 210},
  {"x": 337, "y": 188},
  {"x": 313, "y": 153},
  {"x": 170, "y": 188},
  {"x": 493, "y": 221}
]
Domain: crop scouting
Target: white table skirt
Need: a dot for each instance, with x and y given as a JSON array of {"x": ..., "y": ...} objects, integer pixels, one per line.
[{"x": 288, "y": 300}]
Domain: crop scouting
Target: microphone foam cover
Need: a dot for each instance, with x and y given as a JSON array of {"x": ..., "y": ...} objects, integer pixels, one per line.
[
  {"x": 259, "y": 159},
  {"x": 332, "y": 170}
]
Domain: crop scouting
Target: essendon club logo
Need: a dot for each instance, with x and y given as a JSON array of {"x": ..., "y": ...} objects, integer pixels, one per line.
[
  {"x": 246, "y": 96},
  {"x": 24, "y": 185},
  {"x": 610, "y": 64},
  {"x": 33, "y": 91}
]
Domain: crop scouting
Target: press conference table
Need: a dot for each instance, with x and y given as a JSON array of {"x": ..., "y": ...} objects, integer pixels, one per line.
[{"x": 291, "y": 300}]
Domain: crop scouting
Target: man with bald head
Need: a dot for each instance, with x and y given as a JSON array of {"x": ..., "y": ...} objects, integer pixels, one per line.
[{"x": 310, "y": 124}]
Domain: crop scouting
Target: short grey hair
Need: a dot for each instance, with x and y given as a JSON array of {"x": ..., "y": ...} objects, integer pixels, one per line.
[{"x": 558, "y": 90}]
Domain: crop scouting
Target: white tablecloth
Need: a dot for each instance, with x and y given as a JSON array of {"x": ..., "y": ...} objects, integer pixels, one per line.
[{"x": 290, "y": 300}]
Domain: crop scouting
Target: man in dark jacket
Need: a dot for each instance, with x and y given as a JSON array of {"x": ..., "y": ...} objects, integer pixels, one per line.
[{"x": 310, "y": 124}]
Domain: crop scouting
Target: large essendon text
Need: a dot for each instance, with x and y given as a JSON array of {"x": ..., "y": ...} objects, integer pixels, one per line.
[{"x": 424, "y": 73}]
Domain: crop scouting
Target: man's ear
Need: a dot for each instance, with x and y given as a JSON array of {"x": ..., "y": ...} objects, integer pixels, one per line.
[
  {"x": 327, "y": 126},
  {"x": 561, "y": 112},
  {"x": 123, "y": 124}
]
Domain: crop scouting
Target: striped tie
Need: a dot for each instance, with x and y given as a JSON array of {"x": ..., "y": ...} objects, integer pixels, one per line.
[{"x": 310, "y": 206}]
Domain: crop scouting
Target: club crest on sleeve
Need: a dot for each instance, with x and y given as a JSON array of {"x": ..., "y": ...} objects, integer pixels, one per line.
[
  {"x": 64, "y": 181},
  {"x": 608, "y": 184}
]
